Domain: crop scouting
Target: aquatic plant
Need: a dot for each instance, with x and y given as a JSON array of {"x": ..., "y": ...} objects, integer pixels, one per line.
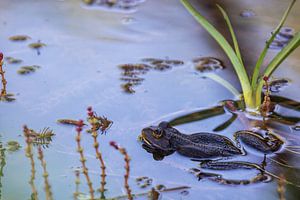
[
  {"x": 4, "y": 82},
  {"x": 127, "y": 167},
  {"x": 37, "y": 45},
  {"x": 2, "y": 164},
  {"x": 41, "y": 138},
  {"x": 266, "y": 106},
  {"x": 94, "y": 123},
  {"x": 77, "y": 183},
  {"x": 251, "y": 85},
  {"x": 19, "y": 38},
  {"x": 12, "y": 60},
  {"x": 28, "y": 69},
  {"x": 12, "y": 146},
  {"x": 83, "y": 159},
  {"x": 45, "y": 174},
  {"x": 29, "y": 154},
  {"x": 4, "y": 96}
]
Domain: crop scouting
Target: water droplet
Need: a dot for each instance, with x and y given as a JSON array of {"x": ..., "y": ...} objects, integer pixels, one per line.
[{"x": 247, "y": 13}]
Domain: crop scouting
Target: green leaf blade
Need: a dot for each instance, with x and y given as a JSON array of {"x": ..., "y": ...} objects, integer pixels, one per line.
[
  {"x": 235, "y": 42},
  {"x": 238, "y": 66},
  {"x": 263, "y": 54}
]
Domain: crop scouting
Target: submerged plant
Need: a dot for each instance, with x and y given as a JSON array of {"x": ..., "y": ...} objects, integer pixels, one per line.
[
  {"x": 2, "y": 165},
  {"x": 45, "y": 174},
  {"x": 4, "y": 96},
  {"x": 251, "y": 85},
  {"x": 28, "y": 69},
  {"x": 83, "y": 159},
  {"x": 127, "y": 167},
  {"x": 29, "y": 154},
  {"x": 93, "y": 120},
  {"x": 41, "y": 138}
]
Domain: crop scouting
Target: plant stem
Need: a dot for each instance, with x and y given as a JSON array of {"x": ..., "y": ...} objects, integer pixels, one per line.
[
  {"x": 224, "y": 83},
  {"x": 4, "y": 82},
  {"x": 45, "y": 174},
  {"x": 127, "y": 168},
  {"x": 235, "y": 42},
  {"x": 77, "y": 182},
  {"x": 83, "y": 159},
  {"x": 94, "y": 134}
]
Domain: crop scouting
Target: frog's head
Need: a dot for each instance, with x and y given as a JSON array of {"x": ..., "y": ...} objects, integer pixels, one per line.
[{"x": 156, "y": 141}]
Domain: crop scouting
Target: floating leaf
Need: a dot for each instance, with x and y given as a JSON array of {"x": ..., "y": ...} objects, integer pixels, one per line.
[
  {"x": 13, "y": 146},
  {"x": 12, "y": 60},
  {"x": 28, "y": 69},
  {"x": 19, "y": 38}
]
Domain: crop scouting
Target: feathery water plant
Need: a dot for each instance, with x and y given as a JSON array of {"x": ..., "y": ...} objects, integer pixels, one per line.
[
  {"x": 45, "y": 174},
  {"x": 92, "y": 119},
  {"x": 83, "y": 159},
  {"x": 251, "y": 86},
  {"x": 127, "y": 167}
]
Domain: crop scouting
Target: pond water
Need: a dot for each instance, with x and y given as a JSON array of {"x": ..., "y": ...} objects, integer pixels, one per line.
[{"x": 79, "y": 67}]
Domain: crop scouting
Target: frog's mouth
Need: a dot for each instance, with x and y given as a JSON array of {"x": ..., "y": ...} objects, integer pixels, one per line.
[{"x": 143, "y": 139}]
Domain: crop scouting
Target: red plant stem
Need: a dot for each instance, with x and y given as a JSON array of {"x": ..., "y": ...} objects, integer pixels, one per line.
[
  {"x": 83, "y": 160},
  {"x": 4, "y": 82},
  {"x": 126, "y": 176},
  {"x": 98, "y": 153},
  {"x": 127, "y": 168}
]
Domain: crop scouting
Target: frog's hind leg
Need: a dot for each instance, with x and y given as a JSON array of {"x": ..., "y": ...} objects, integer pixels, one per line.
[{"x": 193, "y": 152}]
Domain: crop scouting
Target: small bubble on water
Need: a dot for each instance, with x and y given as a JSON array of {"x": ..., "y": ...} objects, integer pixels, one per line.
[{"x": 247, "y": 13}]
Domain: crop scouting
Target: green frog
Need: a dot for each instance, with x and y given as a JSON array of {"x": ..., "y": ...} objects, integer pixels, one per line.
[{"x": 164, "y": 140}]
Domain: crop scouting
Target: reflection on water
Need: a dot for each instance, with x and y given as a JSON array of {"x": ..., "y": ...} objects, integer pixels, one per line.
[
  {"x": 132, "y": 72},
  {"x": 282, "y": 38},
  {"x": 114, "y": 5},
  {"x": 2, "y": 165},
  {"x": 207, "y": 64}
]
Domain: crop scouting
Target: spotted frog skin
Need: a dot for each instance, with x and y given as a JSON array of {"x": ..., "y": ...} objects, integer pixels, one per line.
[{"x": 164, "y": 140}]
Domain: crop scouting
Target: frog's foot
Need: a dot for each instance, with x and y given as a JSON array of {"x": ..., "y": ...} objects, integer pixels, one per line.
[
  {"x": 255, "y": 140},
  {"x": 157, "y": 153}
]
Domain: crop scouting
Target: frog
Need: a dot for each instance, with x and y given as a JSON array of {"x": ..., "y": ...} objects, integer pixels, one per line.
[
  {"x": 164, "y": 140},
  {"x": 208, "y": 148}
]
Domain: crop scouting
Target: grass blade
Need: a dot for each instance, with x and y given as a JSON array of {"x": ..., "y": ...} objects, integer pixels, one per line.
[
  {"x": 280, "y": 57},
  {"x": 235, "y": 43},
  {"x": 277, "y": 60},
  {"x": 264, "y": 52},
  {"x": 224, "y": 83},
  {"x": 238, "y": 66}
]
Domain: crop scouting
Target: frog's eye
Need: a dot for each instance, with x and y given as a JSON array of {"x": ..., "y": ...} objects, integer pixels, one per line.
[{"x": 157, "y": 134}]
